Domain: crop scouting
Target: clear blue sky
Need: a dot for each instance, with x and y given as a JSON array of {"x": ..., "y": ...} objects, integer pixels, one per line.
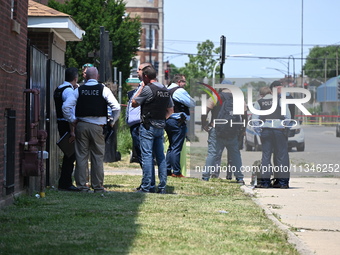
[{"x": 260, "y": 28}]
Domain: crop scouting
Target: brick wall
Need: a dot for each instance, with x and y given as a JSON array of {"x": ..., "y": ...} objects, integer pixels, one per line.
[{"x": 13, "y": 46}]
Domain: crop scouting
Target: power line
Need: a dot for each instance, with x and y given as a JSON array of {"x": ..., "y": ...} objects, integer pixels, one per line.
[{"x": 254, "y": 44}]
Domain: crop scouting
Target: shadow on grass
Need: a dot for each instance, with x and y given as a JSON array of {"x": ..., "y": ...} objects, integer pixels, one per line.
[{"x": 72, "y": 222}]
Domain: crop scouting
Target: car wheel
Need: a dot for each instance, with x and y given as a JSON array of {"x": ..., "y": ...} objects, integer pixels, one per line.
[
  {"x": 337, "y": 133},
  {"x": 248, "y": 147},
  {"x": 300, "y": 147}
]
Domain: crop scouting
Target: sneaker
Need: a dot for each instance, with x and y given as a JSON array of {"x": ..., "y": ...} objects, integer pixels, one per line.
[
  {"x": 100, "y": 191},
  {"x": 71, "y": 188},
  {"x": 262, "y": 186},
  {"x": 142, "y": 191},
  {"x": 161, "y": 191},
  {"x": 178, "y": 175},
  {"x": 241, "y": 182},
  {"x": 280, "y": 186},
  {"x": 86, "y": 191}
]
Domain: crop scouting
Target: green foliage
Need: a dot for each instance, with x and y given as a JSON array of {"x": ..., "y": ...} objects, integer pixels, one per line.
[
  {"x": 202, "y": 64},
  {"x": 124, "y": 139},
  {"x": 90, "y": 15},
  {"x": 321, "y": 59}
]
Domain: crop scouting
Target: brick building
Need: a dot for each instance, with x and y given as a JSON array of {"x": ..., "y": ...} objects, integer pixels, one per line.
[
  {"x": 13, "y": 41},
  {"x": 152, "y": 36},
  {"x": 33, "y": 42}
]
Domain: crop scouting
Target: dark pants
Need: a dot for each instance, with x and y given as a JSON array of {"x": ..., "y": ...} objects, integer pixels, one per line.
[
  {"x": 176, "y": 133},
  {"x": 65, "y": 180},
  {"x": 134, "y": 130},
  {"x": 274, "y": 140}
]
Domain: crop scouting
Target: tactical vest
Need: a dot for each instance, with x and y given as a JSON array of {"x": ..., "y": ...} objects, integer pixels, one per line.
[
  {"x": 179, "y": 107},
  {"x": 266, "y": 104},
  {"x": 156, "y": 107},
  {"x": 58, "y": 100},
  {"x": 91, "y": 102}
]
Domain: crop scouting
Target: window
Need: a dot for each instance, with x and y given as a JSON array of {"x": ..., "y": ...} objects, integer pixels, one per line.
[
  {"x": 13, "y": 9},
  {"x": 150, "y": 37}
]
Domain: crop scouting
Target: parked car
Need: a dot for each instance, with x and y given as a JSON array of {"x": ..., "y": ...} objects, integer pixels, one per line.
[
  {"x": 337, "y": 130},
  {"x": 296, "y": 138}
]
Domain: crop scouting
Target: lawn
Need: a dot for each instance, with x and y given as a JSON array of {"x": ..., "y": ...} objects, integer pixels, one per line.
[{"x": 196, "y": 217}]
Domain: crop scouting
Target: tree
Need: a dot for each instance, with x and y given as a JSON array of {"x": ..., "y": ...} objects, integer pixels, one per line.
[
  {"x": 200, "y": 65},
  {"x": 256, "y": 88},
  {"x": 90, "y": 15},
  {"x": 321, "y": 61}
]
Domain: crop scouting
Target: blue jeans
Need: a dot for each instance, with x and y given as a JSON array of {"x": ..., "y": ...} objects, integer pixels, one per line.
[
  {"x": 176, "y": 134},
  {"x": 234, "y": 155},
  {"x": 212, "y": 161},
  {"x": 151, "y": 142},
  {"x": 274, "y": 140}
]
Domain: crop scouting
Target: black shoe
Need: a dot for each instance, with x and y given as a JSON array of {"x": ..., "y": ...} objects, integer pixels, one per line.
[
  {"x": 152, "y": 190},
  {"x": 161, "y": 191},
  {"x": 71, "y": 188},
  {"x": 241, "y": 182},
  {"x": 168, "y": 173},
  {"x": 280, "y": 186},
  {"x": 263, "y": 186},
  {"x": 142, "y": 191},
  {"x": 138, "y": 188}
]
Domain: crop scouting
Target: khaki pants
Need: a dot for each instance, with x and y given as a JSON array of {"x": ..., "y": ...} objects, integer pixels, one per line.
[{"x": 89, "y": 142}]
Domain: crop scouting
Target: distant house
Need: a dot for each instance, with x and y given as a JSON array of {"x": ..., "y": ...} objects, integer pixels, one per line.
[
  {"x": 328, "y": 96},
  {"x": 33, "y": 42}
]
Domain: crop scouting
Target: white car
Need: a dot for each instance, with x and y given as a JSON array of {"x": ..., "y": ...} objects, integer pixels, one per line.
[{"x": 296, "y": 138}]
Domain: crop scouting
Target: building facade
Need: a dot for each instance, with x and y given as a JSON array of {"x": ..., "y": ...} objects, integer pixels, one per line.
[{"x": 151, "y": 48}]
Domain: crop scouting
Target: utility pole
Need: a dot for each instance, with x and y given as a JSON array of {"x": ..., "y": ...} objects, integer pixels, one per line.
[{"x": 222, "y": 55}]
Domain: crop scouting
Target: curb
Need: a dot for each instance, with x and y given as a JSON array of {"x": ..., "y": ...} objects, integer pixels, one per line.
[{"x": 299, "y": 245}]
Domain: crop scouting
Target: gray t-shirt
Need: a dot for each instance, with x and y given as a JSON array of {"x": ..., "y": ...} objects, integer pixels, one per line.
[{"x": 146, "y": 96}]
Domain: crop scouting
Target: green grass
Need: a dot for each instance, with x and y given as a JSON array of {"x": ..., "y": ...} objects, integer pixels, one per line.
[{"x": 195, "y": 218}]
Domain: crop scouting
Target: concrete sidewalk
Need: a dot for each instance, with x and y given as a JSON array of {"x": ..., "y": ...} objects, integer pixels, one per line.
[{"x": 309, "y": 211}]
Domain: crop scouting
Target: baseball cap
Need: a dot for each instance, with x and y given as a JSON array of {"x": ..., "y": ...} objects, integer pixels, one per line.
[
  {"x": 275, "y": 84},
  {"x": 87, "y": 65}
]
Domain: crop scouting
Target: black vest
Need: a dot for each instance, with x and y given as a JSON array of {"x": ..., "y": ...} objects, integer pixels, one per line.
[
  {"x": 58, "y": 100},
  {"x": 156, "y": 108},
  {"x": 266, "y": 104},
  {"x": 91, "y": 102},
  {"x": 179, "y": 107}
]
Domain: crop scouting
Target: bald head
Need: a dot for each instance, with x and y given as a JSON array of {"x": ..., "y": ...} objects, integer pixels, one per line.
[{"x": 91, "y": 73}]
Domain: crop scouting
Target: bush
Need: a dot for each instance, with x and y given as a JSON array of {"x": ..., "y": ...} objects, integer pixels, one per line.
[{"x": 124, "y": 140}]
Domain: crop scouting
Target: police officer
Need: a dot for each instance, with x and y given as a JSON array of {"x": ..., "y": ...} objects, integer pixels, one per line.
[
  {"x": 272, "y": 131},
  {"x": 61, "y": 93},
  {"x": 156, "y": 106},
  {"x": 90, "y": 101}
]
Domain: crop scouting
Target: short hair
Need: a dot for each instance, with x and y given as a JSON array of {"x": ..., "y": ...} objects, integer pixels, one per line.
[
  {"x": 150, "y": 72},
  {"x": 275, "y": 84},
  {"x": 91, "y": 73},
  {"x": 177, "y": 78},
  {"x": 71, "y": 73},
  {"x": 145, "y": 64},
  {"x": 264, "y": 91}
]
